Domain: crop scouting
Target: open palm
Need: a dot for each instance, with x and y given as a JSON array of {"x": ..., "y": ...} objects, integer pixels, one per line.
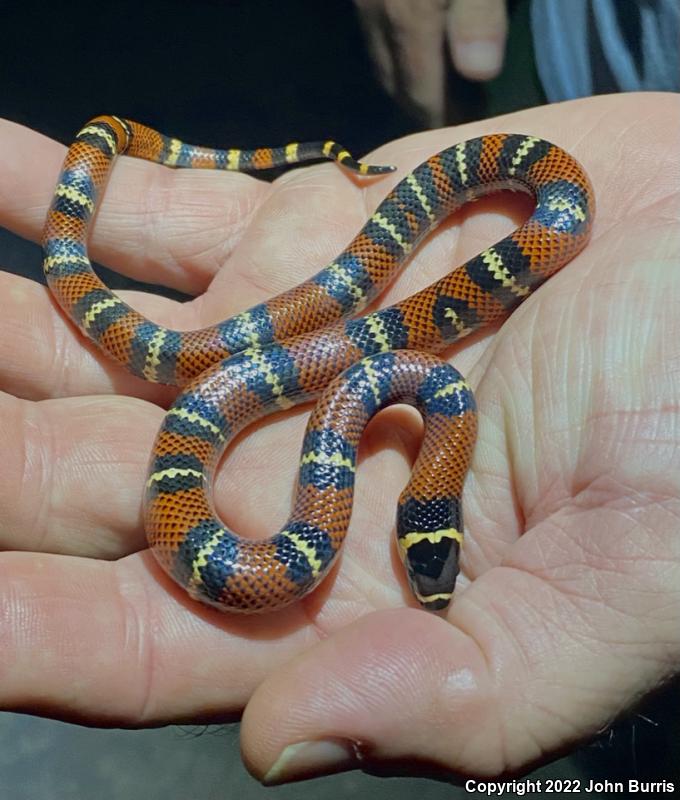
[{"x": 569, "y": 605}]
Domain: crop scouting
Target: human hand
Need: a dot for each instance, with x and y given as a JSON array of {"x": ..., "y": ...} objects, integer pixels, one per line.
[
  {"x": 568, "y": 605},
  {"x": 409, "y": 41}
]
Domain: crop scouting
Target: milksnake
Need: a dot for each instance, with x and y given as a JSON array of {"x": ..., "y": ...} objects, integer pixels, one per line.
[{"x": 302, "y": 344}]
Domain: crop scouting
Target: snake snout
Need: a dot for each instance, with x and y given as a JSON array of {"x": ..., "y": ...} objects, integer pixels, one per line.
[{"x": 432, "y": 568}]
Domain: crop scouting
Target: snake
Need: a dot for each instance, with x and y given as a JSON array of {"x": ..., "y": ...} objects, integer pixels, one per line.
[{"x": 312, "y": 343}]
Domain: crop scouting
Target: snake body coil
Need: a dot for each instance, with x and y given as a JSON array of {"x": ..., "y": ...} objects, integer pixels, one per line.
[{"x": 297, "y": 346}]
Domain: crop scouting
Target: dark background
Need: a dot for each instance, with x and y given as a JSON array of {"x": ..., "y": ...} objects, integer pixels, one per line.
[{"x": 237, "y": 74}]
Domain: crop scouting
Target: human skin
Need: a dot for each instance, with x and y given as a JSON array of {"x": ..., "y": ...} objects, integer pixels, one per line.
[
  {"x": 568, "y": 607},
  {"x": 412, "y": 42}
]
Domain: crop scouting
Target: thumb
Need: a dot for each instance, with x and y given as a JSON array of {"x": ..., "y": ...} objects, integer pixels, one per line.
[
  {"x": 510, "y": 676},
  {"x": 396, "y": 685}
]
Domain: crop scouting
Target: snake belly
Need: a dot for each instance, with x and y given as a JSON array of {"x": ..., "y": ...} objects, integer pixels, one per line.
[{"x": 303, "y": 344}]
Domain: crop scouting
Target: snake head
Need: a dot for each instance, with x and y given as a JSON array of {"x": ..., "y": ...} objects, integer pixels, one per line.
[{"x": 431, "y": 561}]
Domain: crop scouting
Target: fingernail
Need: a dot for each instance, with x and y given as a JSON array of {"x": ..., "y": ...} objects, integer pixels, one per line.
[
  {"x": 310, "y": 760},
  {"x": 478, "y": 60}
]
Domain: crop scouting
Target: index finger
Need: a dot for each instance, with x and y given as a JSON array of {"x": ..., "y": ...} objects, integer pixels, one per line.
[{"x": 175, "y": 228}]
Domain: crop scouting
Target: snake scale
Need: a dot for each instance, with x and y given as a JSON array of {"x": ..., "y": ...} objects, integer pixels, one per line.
[{"x": 305, "y": 343}]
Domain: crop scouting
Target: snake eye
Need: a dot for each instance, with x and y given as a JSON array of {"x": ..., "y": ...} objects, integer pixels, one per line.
[{"x": 431, "y": 568}]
